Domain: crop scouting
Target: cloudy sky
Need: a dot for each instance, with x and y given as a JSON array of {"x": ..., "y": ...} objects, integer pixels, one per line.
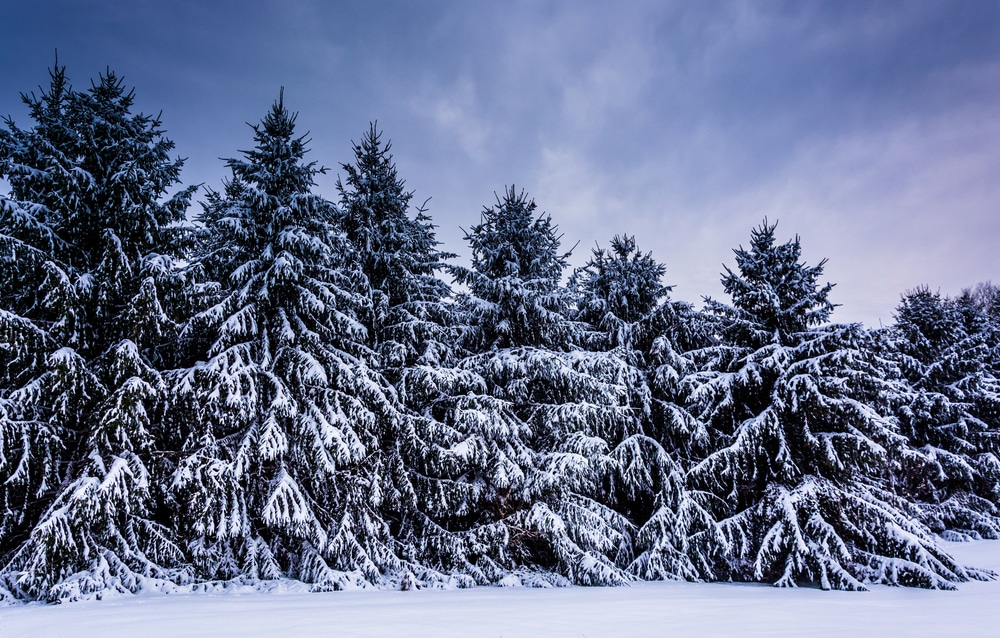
[{"x": 870, "y": 129}]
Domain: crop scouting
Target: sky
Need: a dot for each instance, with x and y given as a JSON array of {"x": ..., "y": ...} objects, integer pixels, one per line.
[{"x": 871, "y": 130}]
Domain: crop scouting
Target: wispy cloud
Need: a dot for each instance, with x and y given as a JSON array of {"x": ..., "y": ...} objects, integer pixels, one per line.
[{"x": 457, "y": 116}]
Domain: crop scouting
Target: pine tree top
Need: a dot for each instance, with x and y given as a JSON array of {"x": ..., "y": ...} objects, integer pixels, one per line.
[
  {"x": 511, "y": 241},
  {"x": 87, "y": 152},
  {"x": 621, "y": 280},
  {"x": 773, "y": 292},
  {"x": 399, "y": 253},
  {"x": 276, "y": 164}
]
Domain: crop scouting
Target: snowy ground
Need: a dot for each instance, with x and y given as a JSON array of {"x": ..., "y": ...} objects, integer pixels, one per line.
[{"x": 649, "y": 609}]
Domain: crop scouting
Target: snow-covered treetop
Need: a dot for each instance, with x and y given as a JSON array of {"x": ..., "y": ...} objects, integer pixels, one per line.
[
  {"x": 87, "y": 154},
  {"x": 516, "y": 268},
  {"x": 621, "y": 281},
  {"x": 927, "y": 321},
  {"x": 275, "y": 164},
  {"x": 773, "y": 290},
  {"x": 268, "y": 204},
  {"x": 510, "y": 241},
  {"x": 399, "y": 254}
]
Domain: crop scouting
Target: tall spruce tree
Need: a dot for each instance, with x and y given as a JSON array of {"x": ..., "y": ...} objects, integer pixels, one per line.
[
  {"x": 949, "y": 412},
  {"x": 468, "y": 456},
  {"x": 282, "y": 471},
  {"x": 623, "y": 303},
  {"x": 540, "y": 418},
  {"x": 415, "y": 329},
  {"x": 802, "y": 438},
  {"x": 91, "y": 237}
]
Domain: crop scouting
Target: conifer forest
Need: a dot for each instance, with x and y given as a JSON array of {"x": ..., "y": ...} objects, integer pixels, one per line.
[{"x": 253, "y": 380}]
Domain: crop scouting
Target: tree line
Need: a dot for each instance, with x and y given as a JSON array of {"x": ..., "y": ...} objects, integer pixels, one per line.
[{"x": 281, "y": 385}]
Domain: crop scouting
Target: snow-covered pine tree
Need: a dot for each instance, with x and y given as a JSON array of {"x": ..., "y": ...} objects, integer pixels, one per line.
[
  {"x": 950, "y": 412},
  {"x": 415, "y": 329},
  {"x": 282, "y": 472},
  {"x": 91, "y": 234},
  {"x": 531, "y": 421},
  {"x": 980, "y": 309},
  {"x": 631, "y": 324},
  {"x": 801, "y": 438}
]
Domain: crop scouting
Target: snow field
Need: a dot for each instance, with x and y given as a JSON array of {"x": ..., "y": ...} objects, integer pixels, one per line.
[{"x": 644, "y": 609}]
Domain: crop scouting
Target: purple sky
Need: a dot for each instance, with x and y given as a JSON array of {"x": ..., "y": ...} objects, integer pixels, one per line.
[{"x": 870, "y": 129}]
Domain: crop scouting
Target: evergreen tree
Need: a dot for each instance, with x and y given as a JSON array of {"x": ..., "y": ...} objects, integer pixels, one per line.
[
  {"x": 980, "y": 307},
  {"x": 415, "y": 329},
  {"x": 91, "y": 238},
  {"x": 537, "y": 422},
  {"x": 801, "y": 438},
  {"x": 949, "y": 412},
  {"x": 621, "y": 297},
  {"x": 283, "y": 472},
  {"x": 469, "y": 456}
]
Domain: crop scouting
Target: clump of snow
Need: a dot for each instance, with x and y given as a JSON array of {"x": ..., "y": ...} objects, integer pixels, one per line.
[{"x": 510, "y": 580}]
